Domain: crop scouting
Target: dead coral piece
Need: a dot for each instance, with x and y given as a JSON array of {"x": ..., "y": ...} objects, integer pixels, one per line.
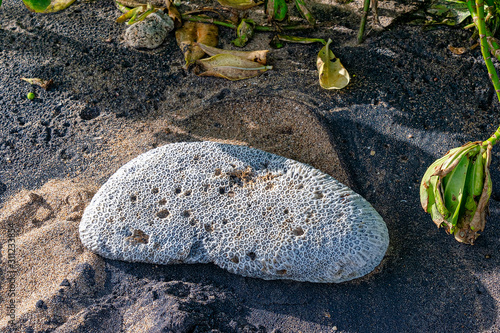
[{"x": 248, "y": 211}]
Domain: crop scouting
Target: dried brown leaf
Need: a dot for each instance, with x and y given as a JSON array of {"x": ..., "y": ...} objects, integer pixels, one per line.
[
  {"x": 230, "y": 67},
  {"x": 259, "y": 56},
  {"x": 45, "y": 84},
  {"x": 457, "y": 50},
  {"x": 191, "y": 33}
]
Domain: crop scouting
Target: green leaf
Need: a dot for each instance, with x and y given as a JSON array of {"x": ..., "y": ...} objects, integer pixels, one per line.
[
  {"x": 332, "y": 75},
  {"x": 305, "y": 12},
  {"x": 37, "y": 5},
  {"x": 276, "y": 10},
  {"x": 244, "y": 32}
]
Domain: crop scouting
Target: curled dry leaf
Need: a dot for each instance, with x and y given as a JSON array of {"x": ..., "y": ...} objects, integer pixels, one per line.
[
  {"x": 239, "y": 4},
  {"x": 229, "y": 67},
  {"x": 45, "y": 84},
  {"x": 457, "y": 50},
  {"x": 259, "y": 56},
  {"x": 332, "y": 75},
  {"x": 191, "y": 33},
  {"x": 174, "y": 14}
]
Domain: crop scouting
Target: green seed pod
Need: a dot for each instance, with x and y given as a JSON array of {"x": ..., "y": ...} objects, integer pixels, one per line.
[
  {"x": 456, "y": 189},
  {"x": 30, "y": 96}
]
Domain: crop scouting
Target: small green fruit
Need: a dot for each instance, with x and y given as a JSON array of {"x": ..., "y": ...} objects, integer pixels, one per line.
[{"x": 31, "y": 96}]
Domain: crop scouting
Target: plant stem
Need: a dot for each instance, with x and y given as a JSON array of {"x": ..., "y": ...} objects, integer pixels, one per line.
[
  {"x": 493, "y": 139},
  {"x": 485, "y": 50},
  {"x": 366, "y": 9},
  {"x": 201, "y": 19},
  {"x": 284, "y": 27},
  {"x": 481, "y": 27}
]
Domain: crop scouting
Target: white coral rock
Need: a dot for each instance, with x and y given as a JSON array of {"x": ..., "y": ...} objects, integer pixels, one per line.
[
  {"x": 150, "y": 33},
  {"x": 248, "y": 211}
]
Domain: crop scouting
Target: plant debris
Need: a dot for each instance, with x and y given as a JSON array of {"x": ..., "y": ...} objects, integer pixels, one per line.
[{"x": 45, "y": 84}]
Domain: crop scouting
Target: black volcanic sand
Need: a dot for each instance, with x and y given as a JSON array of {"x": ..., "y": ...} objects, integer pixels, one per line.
[{"x": 409, "y": 101}]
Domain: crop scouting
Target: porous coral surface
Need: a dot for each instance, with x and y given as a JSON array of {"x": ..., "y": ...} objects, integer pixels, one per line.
[{"x": 248, "y": 211}]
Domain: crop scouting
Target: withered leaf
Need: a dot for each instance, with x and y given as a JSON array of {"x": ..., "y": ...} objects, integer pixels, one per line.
[
  {"x": 239, "y": 4},
  {"x": 45, "y": 84},
  {"x": 174, "y": 13},
  {"x": 192, "y": 32},
  {"x": 229, "y": 67},
  {"x": 457, "y": 50},
  {"x": 259, "y": 56},
  {"x": 332, "y": 75}
]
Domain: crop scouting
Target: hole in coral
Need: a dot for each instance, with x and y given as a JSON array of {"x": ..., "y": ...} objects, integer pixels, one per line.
[
  {"x": 224, "y": 221},
  {"x": 162, "y": 202},
  {"x": 286, "y": 211},
  {"x": 318, "y": 195},
  {"x": 298, "y": 231},
  {"x": 269, "y": 186},
  {"x": 206, "y": 187},
  {"x": 251, "y": 255},
  {"x": 138, "y": 236},
  {"x": 163, "y": 213},
  {"x": 300, "y": 187},
  {"x": 230, "y": 194},
  {"x": 235, "y": 259},
  {"x": 218, "y": 172},
  {"x": 192, "y": 222},
  {"x": 209, "y": 228},
  {"x": 133, "y": 198},
  {"x": 281, "y": 272},
  {"x": 196, "y": 158},
  {"x": 177, "y": 190},
  {"x": 187, "y": 193},
  {"x": 186, "y": 213},
  {"x": 155, "y": 190},
  {"x": 222, "y": 190}
]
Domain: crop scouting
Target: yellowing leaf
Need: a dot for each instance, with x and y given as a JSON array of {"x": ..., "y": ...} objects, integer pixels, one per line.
[
  {"x": 57, "y": 5},
  {"x": 191, "y": 33},
  {"x": 229, "y": 67},
  {"x": 259, "y": 56},
  {"x": 332, "y": 75},
  {"x": 239, "y": 4}
]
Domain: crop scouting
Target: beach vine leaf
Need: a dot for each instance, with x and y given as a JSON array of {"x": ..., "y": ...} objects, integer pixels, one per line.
[{"x": 332, "y": 74}]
